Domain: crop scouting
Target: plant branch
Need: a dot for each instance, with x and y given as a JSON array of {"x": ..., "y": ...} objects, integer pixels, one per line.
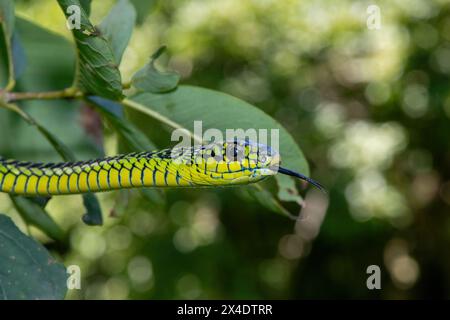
[{"x": 72, "y": 93}]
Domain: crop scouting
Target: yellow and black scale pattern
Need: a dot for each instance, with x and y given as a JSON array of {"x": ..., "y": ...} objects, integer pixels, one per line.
[{"x": 197, "y": 166}]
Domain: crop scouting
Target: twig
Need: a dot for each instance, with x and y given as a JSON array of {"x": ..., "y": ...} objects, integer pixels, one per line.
[{"x": 72, "y": 93}]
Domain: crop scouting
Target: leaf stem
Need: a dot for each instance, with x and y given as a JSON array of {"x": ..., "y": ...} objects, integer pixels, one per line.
[{"x": 158, "y": 116}]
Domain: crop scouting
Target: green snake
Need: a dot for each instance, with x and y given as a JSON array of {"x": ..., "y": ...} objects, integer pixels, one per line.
[{"x": 215, "y": 164}]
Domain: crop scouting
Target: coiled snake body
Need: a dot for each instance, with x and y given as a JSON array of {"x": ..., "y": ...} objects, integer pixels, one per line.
[{"x": 216, "y": 164}]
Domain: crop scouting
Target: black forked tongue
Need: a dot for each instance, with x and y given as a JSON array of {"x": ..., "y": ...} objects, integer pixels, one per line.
[{"x": 300, "y": 176}]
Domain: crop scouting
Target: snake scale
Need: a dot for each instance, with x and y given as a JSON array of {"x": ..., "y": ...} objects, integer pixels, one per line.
[{"x": 216, "y": 164}]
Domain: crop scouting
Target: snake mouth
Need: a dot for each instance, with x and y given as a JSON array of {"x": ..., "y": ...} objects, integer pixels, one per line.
[{"x": 299, "y": 176}]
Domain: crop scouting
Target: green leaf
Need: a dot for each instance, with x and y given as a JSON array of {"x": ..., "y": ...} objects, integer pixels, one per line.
[
  {"x": 36, "y": 216},
  {"x": 40, "y": 201},
  {"x": 6, "y": 34},
  {"x": 86, "y": 4},
  {"x": 150, "y": 79},
  {"x": 266, "y": 199},
  {"x": 216, "y": 110},
  {"x": 221, "y": 111},
  {"x": 132, "y": 137},
  {"x": 27, "y": 271},
  {"x": 98, "y": 73},
  {"x": 93, "y": 216},
  {"x": 118, "y": 26}
]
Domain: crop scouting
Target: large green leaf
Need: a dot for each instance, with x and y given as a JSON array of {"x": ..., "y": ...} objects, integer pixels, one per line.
[
  {"x": 221, "y": 111},
  {"x": 98, "y": 72},
  {"x": 118, "y": 26},
  {"x": 180, "y": 108},
  {"x": 27, "y": 271}
]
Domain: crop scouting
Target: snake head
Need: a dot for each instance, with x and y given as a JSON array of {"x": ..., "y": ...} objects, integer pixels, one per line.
[
  {"x": 257, "y": 161},
  {"x": 236, "y": 162},
  {"x": 269, "y": 162},
  {"x": 232, "y": 162}
]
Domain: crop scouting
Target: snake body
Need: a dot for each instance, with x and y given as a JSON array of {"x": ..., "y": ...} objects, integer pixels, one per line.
[{"x": 217, "y": 164}]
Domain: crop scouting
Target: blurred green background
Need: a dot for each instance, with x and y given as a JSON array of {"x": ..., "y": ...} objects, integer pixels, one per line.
[{"x": 370, "y": 109}]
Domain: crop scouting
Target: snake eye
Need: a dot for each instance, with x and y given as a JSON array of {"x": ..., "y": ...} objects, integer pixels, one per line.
[
  {"x": 234, "y": 152},
  {"x": 214, "y": 152}
]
